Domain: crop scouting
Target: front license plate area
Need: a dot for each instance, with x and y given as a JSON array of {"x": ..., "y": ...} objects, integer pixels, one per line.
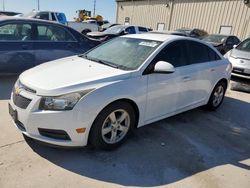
[
  {"x": 238, "y": 70},
  {"x": 13, "y": 113}
]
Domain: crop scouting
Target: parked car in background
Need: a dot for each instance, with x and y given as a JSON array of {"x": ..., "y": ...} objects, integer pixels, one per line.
[
  {"x": 118, "y": 30},
  {"x": 239, "y": 56},
  {"x": 25, "y": 43},
  {"x": 223, "y": 43},
  {"x": 170, "y": 33},
  {"x": 82, "y": 27},
  {"x": 107, "y": 25},
  {"x": 48, "y": 15},
  {"x": 194, "y": 33},
  {"x": 8, "y": 13},
  {"x": 125, "y": 83}
]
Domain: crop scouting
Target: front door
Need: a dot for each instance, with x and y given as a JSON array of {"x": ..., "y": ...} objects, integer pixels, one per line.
[
  {"x": 53, "y": 42},
  {"x": 16, "y": 47},
  {"x": 163, "y": 93}
]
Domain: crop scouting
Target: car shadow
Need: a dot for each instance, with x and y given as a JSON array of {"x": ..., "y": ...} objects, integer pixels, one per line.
[
  {"x": 166, "y": 151},
  {"x": 6, "y": 85}
]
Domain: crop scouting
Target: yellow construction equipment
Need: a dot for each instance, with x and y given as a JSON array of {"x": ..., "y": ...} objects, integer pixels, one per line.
[{"x": 86, "y": 15}]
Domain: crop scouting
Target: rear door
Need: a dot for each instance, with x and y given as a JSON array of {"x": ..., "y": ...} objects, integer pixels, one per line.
[
  {"x": 53, "y": 42},
  {"x": 16, "y": 47},
  {"x": 200, "y": 73}
]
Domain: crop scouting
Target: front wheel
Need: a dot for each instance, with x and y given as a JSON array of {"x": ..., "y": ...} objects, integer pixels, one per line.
[
  {"x": 217, "y": 96},
  {"x": 112, "y": 126}
]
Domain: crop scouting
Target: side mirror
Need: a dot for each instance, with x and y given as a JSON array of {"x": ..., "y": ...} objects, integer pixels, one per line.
[
  {"x": 37, "y": 17},
  {"x": 163, "y": 67}
]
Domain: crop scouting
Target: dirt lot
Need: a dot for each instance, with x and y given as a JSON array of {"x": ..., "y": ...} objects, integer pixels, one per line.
[{"x": 194, "y": 149}]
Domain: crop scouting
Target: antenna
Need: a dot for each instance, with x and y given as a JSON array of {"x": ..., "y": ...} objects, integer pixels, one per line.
[{"x": 94, "y": 7}]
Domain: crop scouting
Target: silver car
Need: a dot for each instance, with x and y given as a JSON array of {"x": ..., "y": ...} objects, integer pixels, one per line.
[{"x": 239, "y": 56}]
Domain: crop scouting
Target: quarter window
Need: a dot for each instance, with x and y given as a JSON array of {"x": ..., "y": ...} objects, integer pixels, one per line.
[
  {"x": 53, "y": 33},
  {"x": 200, "y": 53},
  {"x": 15, "y": 32}
]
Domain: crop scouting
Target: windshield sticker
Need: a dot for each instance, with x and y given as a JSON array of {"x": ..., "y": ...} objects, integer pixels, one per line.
[{"x": 149, "y": 44}]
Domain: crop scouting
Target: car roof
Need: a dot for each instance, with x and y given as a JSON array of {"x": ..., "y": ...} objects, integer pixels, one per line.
[
  {"x": 155, "y": 36},
  {"x": 10, "y": 18}
]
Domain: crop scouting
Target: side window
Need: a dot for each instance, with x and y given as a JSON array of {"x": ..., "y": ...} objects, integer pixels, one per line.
[
  {"x": 53, "y": 33},
  {"x": 43, "y": 16},
  {"x": 230, "y": 41},
  {"x": 236, "y": 40},
  {"x": 130, "y": 30},
  {"x": 143, "y": 29},
  {"x": 174, "y": 53},
  {"x": 53, "y": 17},
  {"x": 15, "y": 32},
  {"x": 198, "y": 53},
  {"x": 213, "y": 55}
]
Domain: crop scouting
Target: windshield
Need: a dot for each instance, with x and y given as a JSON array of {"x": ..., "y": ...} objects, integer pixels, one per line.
[
  {"x": 244, "y": 46},
  {"x": 114, "y": 30},
  {"x": 123, "y": 53},
  {"x": 215, "y": 38}
]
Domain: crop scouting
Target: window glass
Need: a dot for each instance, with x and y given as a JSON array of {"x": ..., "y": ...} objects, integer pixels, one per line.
[
  {"x": 174, "y": 53},
  {"x": 43, "y": 16},
  {"x": 230, "y": 41},
  {"x": 130, "y": 30},
  {"x": 198, "y": 52},
  {"x": 124, "y": 53},
  {"x": 143, "y": 29},
  {"x": 53, "y": 33},
  {"x": 53, "y": 17},
  {"x": 245, "y": 45},
  {"x": 13, "y": 32}
]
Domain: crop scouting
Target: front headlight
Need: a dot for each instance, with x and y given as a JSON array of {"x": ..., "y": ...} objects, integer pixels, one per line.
[{"x": 64, "y": 102}]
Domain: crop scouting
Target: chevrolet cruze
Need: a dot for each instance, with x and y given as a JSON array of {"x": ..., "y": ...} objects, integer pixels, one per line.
[{"x": 99, "y": 97}]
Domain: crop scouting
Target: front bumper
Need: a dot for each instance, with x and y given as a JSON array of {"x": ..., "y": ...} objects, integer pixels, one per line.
[
  {"x": 241, "y": 67},
  {"x": 30, "y": 121}
]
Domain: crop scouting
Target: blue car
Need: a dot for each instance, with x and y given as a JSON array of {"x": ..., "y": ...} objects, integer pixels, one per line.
[{"x": 25, "y": 43}]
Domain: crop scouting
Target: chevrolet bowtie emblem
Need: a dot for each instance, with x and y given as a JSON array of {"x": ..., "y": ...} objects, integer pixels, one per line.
[{"x": 17, "y": 90}]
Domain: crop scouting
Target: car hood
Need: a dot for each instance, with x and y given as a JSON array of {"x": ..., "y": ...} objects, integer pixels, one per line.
[
  {"x": 70, "y": 75},
  {"x": 240, "y": 54}
]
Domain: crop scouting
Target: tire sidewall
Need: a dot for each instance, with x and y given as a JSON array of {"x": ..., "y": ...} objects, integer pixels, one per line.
[
  {"x": 95, "y": 137},
  {"x": 210, "y": 104}
]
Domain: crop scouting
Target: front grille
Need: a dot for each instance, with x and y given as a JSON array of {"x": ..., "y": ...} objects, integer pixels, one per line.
[
  {"x": 242, "y": 73},
  {"x": 55, "y": 134},
  {"x": 21, "y": 101}
]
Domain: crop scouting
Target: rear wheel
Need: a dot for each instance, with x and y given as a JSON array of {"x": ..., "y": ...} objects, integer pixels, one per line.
[
  {"x": 112, "y": 126},
  {"x": 217, "y": 96}
]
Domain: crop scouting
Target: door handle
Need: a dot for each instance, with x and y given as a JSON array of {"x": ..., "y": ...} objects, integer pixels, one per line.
[
  {"x": 212, "y": 70},
  {"x": 186, "y": 78}
]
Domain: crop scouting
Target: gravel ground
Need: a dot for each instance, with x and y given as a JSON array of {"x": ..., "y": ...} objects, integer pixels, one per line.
[{"x": 194, "y": 149}]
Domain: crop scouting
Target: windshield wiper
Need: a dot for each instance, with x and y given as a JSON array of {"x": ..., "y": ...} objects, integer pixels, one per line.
[{"x": 99, "y": 61}]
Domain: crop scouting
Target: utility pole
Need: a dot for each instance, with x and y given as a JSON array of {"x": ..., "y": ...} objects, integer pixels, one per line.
[
  {"x": 38, "y": 4},
  {"x": 3, "y": 5},
  {"x": 94, "y": 7}
]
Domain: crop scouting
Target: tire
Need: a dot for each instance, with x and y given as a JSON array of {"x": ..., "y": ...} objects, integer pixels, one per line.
[
  {"x": 108, "y": 132},
  {"x": 217, "y": 96}
]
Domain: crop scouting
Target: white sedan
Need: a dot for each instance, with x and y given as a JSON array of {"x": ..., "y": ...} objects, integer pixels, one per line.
[{"x": 98, "y": 98}]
